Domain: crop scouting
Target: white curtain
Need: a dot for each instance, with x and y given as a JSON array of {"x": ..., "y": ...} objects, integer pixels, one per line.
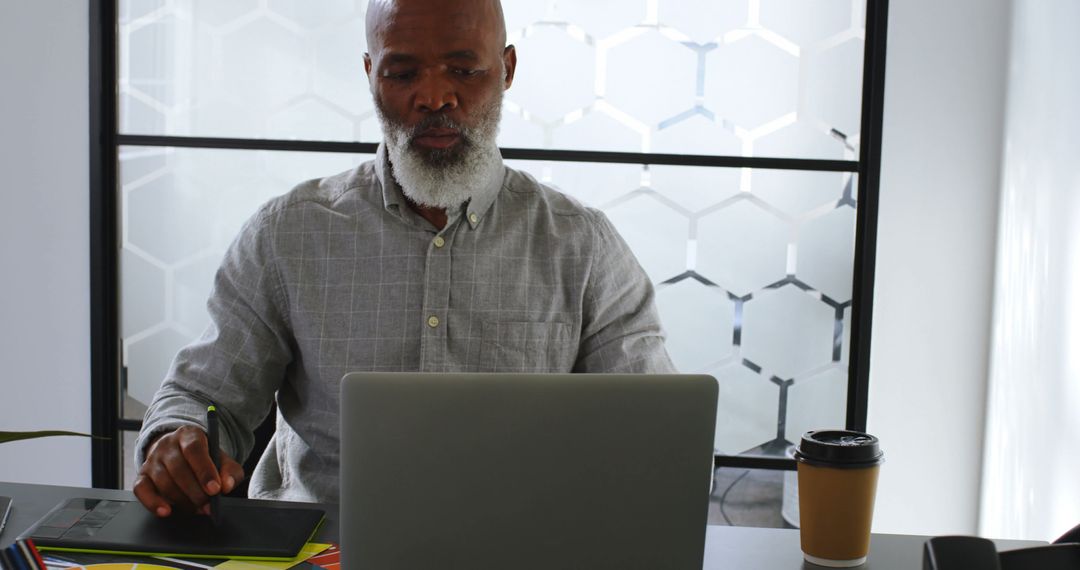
[{"x": 1031, "y": 470}]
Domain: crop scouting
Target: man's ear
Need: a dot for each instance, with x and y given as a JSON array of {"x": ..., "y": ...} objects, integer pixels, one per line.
[
  {"x": 367, "y": 65},
  {"x": 510, "y": 64}
]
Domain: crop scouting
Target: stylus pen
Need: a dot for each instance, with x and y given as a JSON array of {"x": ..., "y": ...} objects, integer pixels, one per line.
[{"x": 213, "y": 436}]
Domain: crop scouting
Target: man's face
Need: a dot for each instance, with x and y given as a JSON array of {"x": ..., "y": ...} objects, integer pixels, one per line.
[{"x": 437, "y": 70}]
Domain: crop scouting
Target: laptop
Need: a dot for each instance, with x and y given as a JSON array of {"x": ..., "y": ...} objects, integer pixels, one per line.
[{"x": 497, "y": 471}]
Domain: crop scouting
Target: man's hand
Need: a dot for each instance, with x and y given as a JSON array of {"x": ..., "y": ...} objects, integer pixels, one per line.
[{"x": 178, "y": 472}]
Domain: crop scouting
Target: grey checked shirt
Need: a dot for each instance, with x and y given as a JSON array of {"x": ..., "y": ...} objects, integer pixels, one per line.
[{"x": 340, "y": 275}]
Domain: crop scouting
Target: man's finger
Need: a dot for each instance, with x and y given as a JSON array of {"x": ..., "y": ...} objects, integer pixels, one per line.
[
  {"x": 196, "y": 452},
  {"x": 185, "y": 480},
  {"x": 166, "y": 485},
  {"x": 232, "y": 473},
  {"x": 147, "y": 494}
]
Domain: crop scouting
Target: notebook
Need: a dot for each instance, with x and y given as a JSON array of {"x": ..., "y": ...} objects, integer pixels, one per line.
[
  {"x": 247, "y": 530},
  {"x": 486, "y": 471}
]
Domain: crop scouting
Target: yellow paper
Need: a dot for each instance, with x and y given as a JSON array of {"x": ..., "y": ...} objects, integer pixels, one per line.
[{"x": 310, "y": 549}]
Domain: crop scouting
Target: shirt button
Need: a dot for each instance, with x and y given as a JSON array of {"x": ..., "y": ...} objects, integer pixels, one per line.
[
  {"x": 433, "y": 321},
  {"x": 439, "y": 241},
  {"x": 474, "y": 218}
]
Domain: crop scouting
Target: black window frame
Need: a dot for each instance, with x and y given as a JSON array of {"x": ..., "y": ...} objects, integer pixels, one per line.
[{"x": 105, "y": 141}]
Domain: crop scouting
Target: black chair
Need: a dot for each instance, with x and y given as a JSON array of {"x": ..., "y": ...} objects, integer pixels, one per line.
[
  {"x": 1070, "y": 536},
  {"x": 973, "y": 553}
]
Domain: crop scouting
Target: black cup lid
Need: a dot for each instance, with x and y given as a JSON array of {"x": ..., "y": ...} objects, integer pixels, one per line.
[{"x": 839, "y": 448}]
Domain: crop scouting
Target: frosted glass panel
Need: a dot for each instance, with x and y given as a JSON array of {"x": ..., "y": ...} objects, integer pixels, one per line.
[
  {"x": 740, "y": 77},
  {"x": 249, "y": 69},
  {"x": 753, "y": 276},
  {"x": 825, "y": 251},
  {"x": 746, "y": 417},
  {"x": 702, "y": 322},
  {"x": 180, "y": 210},
  {"x": 747, "y": 290},
  {"x": 657, "y": 233},
  {"x": 816, "y": 401},
  {"x": 743, "y": 246},
  {"x": 787, "y": 332},
  {"x": 753, "y": 268}
]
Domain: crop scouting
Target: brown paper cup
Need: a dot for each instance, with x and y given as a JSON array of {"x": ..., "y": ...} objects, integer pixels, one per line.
[{"x": 836, "y": 502}]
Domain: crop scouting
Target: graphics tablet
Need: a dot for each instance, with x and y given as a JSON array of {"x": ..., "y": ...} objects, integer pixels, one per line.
[{"x": 247, "y": 530}]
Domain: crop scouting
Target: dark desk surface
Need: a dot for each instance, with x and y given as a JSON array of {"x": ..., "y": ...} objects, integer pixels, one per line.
[{"x": 725, "y": 547}]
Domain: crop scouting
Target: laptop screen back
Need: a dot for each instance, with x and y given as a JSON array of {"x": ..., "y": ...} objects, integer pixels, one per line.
[{"x": 525, "y": 470}]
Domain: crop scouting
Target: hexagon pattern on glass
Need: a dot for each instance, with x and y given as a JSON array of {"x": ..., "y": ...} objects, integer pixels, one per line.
[
  {"x": 596, "y": 185},
  {"x": 147, "y": 358},
  {"x": 826, "y": 246},
  {"x": 695, "y": 188},
  {"x": 705, "y": 319},
  {"x": 742, "y": 246},
  {"x": 815, "y": 402},
  {"x": 746, "y": 414},
  {"x": 667, "y": 63},
  {"x": 577, "y": 67},
  {"x": 740, "y": 66},
  {"x": 787, "y": 332},
  {"x": 143, "y": 284},
  {"x": 181, "y": 209},
  {"x": 753, "y": 267},
  {"x": 656, "y": 230},
  {"x": 799, "y": 194}
]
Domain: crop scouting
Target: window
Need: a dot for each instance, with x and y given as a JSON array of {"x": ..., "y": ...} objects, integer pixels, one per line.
[{"x": 733, "y": 144}]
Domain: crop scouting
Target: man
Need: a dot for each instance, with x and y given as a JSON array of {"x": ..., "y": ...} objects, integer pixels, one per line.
[{"x": 432, "y": 257}]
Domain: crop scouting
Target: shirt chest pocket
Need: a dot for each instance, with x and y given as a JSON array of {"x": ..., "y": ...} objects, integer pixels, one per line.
[{"x": 525, "y": 346}]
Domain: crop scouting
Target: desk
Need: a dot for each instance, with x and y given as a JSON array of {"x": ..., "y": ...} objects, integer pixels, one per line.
[{"x": 725, "y": 547}]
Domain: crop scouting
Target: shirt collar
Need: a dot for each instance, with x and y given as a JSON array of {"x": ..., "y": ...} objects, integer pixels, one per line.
[
  {"x": 476, "y": 208},
  {"x": 393, "y": 198}
]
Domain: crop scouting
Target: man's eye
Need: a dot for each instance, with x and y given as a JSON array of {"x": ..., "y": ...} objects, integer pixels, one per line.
[
  {"x": 464, "y": 72},
  {"x": 400, "y": 75}
]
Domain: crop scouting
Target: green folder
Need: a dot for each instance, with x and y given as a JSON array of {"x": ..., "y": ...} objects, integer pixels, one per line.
[{"x": 247, "y": 530}]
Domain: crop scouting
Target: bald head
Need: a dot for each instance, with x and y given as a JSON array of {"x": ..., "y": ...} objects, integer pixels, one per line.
[
  {"x": 439, "y": 67},
  {"x": 384, "y": 15},
  {"x": 437, "y": 55}
]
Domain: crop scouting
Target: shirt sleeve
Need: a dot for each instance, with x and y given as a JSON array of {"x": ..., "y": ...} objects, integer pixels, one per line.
[
  {"x": 621, "y": 329},
  {"x": 239, "y": 362}
]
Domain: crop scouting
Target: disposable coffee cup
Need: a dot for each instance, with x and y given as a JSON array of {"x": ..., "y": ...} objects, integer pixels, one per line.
[{"x": 838, "y": 473}]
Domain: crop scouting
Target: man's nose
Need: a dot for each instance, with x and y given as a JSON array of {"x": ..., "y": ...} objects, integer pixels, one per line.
[{"x": 434, "y": 92}]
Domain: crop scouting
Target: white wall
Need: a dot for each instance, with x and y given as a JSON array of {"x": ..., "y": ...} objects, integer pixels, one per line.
[
  {"x": 944, "y": 101},
  {"x": 1033, "y": 429},
  {"x": 44, "y": 228}
]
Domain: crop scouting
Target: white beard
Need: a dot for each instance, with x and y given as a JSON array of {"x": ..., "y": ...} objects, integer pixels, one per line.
[{"x": 444, "y": 180}]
